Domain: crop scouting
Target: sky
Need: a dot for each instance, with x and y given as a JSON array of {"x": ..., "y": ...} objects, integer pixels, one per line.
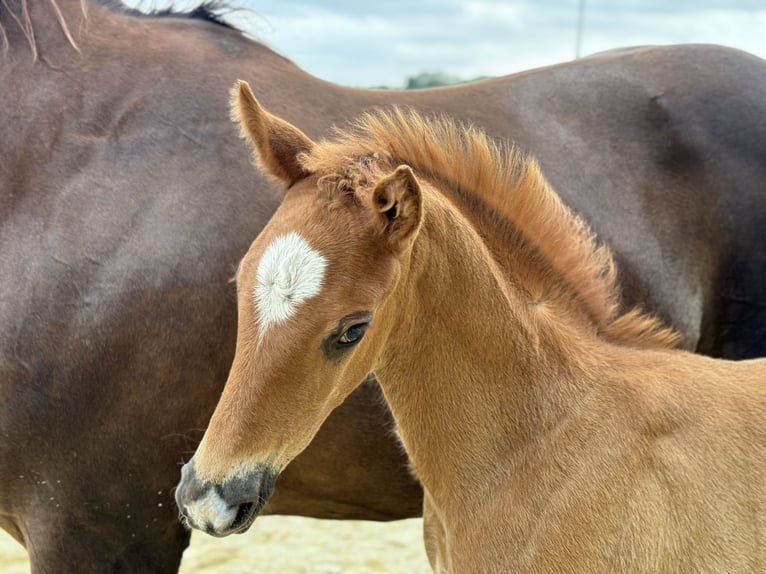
[{"x": 383, "y": 42}]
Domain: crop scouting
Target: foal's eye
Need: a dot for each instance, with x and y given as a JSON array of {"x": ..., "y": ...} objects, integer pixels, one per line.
[{"x": 353, "y": 334}]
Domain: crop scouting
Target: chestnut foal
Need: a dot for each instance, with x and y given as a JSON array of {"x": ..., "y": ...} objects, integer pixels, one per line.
[{"x": 550, "y": 432}]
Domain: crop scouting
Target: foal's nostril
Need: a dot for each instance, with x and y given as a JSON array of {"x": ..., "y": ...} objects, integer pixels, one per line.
[
  {"x": 245, "y": 515},
  {"x": 225, "y": 508}
]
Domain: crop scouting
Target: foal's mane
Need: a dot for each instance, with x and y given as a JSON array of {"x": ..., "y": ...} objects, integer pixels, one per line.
[{"x": 511, "y": 183}]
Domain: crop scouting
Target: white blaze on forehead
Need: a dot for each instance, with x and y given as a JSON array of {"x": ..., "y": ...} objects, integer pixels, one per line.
[{"x": 289, "y": 272}]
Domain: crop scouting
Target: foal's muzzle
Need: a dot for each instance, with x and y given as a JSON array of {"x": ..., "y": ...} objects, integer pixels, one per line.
[{"x": 226, "y": 508}]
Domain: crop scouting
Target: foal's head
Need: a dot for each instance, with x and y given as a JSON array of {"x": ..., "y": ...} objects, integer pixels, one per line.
[{"x": 312, "y": 292}]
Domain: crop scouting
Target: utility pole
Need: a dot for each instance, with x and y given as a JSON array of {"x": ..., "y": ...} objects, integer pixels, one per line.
[{"x": 580, "y": 25}]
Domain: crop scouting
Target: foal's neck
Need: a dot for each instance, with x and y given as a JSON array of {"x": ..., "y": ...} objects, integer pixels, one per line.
[{"x": 476, "y": 367}]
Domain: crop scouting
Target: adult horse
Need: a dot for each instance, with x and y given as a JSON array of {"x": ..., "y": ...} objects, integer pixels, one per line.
[
  {"x": 551, "y": 432},
  {"x": 127, "y": 203}
]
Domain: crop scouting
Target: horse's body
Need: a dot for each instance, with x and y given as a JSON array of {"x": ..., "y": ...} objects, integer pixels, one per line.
[
  {"x": 551, "y": 431},
  {"x": 126, "y": 206}
]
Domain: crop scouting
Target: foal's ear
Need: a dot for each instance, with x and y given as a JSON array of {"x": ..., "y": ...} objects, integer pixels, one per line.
[
  {"x": 277, "y": 142},
  {"x": 397, "y": 203}
]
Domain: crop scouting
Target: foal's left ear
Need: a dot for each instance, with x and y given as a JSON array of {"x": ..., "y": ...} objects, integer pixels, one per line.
[
  {"x": 278, "y": 143},
  {"x": 397, "y": 203}
]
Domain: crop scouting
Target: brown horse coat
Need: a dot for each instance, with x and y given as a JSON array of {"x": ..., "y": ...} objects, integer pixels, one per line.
[{"x": 126, "y": 204}]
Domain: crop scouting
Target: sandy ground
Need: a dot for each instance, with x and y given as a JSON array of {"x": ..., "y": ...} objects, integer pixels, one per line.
[{"x": 286, "y": 545}]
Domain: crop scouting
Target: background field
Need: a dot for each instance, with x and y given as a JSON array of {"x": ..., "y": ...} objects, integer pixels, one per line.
[{"x": 287, "y": 545}]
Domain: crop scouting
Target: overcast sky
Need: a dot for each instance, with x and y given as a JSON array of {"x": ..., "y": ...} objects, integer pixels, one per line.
[{"x": 382, "y": 42}]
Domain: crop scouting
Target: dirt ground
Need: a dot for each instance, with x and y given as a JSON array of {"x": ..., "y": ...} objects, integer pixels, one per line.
[{"x": 287, "y": 545}]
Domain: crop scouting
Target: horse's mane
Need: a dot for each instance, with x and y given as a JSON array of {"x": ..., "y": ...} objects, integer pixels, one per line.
[
  {"x": 209, "y": 10},
  {"x": 511, "y": 183}
]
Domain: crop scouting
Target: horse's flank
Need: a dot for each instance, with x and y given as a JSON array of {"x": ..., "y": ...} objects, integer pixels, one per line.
[{"x": 512, "y": 185}]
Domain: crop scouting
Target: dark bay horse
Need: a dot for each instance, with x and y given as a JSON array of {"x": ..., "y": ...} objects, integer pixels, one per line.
[
  {"x": 127, "y": 204},
  {"x": 551, "y": 431}
]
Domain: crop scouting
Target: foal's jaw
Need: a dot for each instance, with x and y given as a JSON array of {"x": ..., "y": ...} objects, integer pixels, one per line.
[{"x": 229, "y": 507}]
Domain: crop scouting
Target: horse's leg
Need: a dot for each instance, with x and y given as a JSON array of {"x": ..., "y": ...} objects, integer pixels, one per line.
[
  {"x": 86, "y": 490},
  {"x": 72, "y": 540},
  {"x": 434, "y": 537}
]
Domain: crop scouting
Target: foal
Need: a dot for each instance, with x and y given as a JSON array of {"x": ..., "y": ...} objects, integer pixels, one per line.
[{"x": 551, "y": 433}]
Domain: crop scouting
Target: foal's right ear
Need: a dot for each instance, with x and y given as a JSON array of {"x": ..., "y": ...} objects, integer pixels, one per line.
[
  {"x": 277, "y": 142},
  {"x": 397, "y": 203}
]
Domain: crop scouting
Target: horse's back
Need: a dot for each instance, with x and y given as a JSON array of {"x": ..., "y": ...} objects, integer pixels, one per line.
[{"x": 663, "y": 150}]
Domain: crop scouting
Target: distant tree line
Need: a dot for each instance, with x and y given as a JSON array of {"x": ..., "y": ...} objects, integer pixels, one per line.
[{"x": 433, "y": 80}]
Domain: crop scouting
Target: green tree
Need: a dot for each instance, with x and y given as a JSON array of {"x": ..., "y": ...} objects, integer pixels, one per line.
[{"x": 435, "y": 79}]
